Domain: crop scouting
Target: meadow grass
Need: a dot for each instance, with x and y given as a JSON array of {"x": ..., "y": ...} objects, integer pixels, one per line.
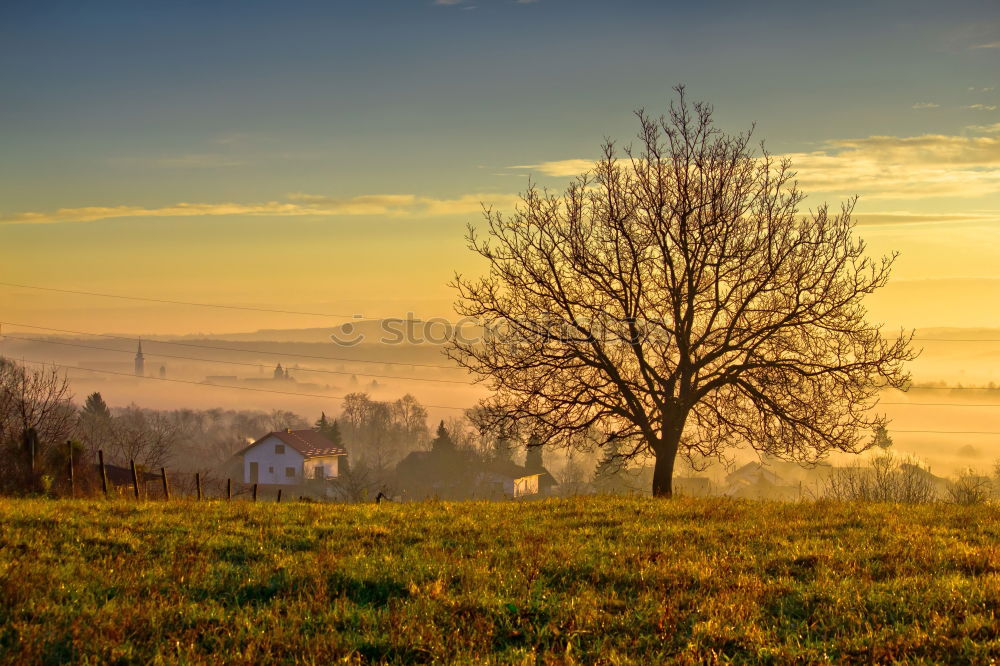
[{"x": 610, "y": 580}]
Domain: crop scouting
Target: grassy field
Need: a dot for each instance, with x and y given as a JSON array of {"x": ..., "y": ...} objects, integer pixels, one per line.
[{"x": 559, "y": 581}]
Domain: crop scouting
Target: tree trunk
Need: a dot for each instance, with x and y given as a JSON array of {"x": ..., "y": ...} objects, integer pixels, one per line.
[
  {"x": 663, "y": 474},
  {"x": 666, "y": 453}
]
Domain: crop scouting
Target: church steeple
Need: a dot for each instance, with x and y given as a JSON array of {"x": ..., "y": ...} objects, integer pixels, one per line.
[{"x": 140, "y": 361}]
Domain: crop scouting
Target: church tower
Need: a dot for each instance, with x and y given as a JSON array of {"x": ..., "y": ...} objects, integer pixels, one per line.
[{"x": 140, "y": 362}]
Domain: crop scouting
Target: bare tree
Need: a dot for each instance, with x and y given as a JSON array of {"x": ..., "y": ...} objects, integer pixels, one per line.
[
  {"x": 36, "y": 416},
  {"x": 412, "y": 419},
  {"x": 281, "y": 419},
  {"x": 143, "y": 435},
  {"x": 36, "y": 399},
  {"x": 380, "y": 434},
  {"x": 675, "y": 300}
]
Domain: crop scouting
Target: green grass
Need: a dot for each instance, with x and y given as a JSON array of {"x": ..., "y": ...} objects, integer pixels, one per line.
[{"x": 596, "y": 579}]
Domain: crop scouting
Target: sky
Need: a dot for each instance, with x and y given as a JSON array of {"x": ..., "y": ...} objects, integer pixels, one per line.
[{"x": 327, "y": 156}]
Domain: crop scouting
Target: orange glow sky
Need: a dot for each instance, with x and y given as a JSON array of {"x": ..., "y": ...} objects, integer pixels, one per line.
[{"x": 327, "y": 159}]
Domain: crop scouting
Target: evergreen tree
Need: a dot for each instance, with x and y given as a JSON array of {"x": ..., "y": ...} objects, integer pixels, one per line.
[
  {"x": 610, "y": 468},
  {"x": 95, "y": 407},
  {"x": 329, "y": 429},
  {"x": 333, "y": 434},
  {"x": 442, "y": 441},
  {"x": 882, "y": 438},
  {"x": 533, "y": 454}
]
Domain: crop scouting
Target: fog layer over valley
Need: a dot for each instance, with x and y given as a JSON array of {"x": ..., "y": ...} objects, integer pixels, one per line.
[{"x": 945, "y": 421}]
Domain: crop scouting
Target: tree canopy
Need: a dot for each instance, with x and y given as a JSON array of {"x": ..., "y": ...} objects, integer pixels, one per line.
[{"x": 674, "y": 300}]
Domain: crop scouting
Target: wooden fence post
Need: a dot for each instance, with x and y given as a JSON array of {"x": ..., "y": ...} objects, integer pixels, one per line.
[
  {"x": 229, "y": 489},
  {"x": 197, "y": 482},
  {"x": 72, "y": 478},
  {"x": 104, "y": 472},
  {"x": 279, "y": 495},
  {"x": 255, "y": 492},
  {"x": 135, "y": 478},
  {"x": 166, "y": 488}
]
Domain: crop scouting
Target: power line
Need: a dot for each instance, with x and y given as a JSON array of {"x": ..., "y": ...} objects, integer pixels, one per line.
[
  {"x": 188, "y": 381},
  {"x": 231, "y": 349},
  {"x": 335, "y": 315},
  {"x": 938, "y": 404},
  {"x": 172, "y": 302},
  {"x": 252, "y": 365},
  {"x": 957, "y": 339},
  {"x": 948, "y": 432},
  {"x": 951, "y": 388}
]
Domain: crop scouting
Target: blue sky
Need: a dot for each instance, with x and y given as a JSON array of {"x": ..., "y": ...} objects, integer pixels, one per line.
[{"x": 137, "y": 107}]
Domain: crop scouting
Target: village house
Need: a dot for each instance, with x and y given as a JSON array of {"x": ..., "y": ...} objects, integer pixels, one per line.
[
  {"x": 757, "y": 481},
  {"x": 447, "y": 472},
  {"x": 503, "y": 478},
  {"x": 507, "y": 479},
  {"x": 291, "y": 457}
]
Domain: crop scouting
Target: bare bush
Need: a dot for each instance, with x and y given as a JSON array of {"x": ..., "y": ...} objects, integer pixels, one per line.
[
  {"x": 886, "y": 478},
  {"x": 970, "y": 489}
]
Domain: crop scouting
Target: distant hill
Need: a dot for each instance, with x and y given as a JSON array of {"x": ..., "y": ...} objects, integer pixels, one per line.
[{"x": 391, "y": 331}]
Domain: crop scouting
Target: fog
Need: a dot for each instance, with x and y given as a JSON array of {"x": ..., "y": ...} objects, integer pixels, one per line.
[{"x": 956, "y": 373}]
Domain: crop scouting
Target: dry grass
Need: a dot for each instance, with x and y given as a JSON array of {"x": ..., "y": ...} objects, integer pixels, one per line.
[{"x": 611, "y": 580}]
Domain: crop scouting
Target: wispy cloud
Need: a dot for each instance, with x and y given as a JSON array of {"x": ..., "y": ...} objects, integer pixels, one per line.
[
  {"x": 879, "y": 167},
  {"x": 981, "y": 107},
  {"x": 889, "y": 167},
  {"x": 906, "y": 217},
  {"x": 297, "y": 205},
  {"x": 448, "y": 2},
  {"x": 985, "y": 129},
  {"x": 988, "y": 45},
  {"x": 926, "y": 105},
  {"x": 559, "y": 168}
]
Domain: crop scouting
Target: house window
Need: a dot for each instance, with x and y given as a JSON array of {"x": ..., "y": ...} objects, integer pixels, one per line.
[
  {"x": 319, "y": 471},
  {"x": 270, "y": 470},
  {"x": 279, "y": 448},
  {"x": 290, "y": 472}
]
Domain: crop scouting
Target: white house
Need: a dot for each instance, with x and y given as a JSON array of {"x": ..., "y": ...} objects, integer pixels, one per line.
[
  {"x": 289, "y": 457},
  {"x": 507, "y": 479}
]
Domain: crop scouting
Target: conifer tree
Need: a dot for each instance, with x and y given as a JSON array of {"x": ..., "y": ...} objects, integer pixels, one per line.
[
  {"x": 442, "y": 441},
  {"x": 95, "y": 407},
  {"x": 333, "y": 433}
]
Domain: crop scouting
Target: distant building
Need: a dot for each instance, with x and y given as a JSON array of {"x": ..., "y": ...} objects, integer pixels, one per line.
[
  {"x": 756, "y": 481},
  {"x": 140, "y": 362},
  {"x": 290, "y": 458},
  {"x": 163, "y": 372},
  {"x": 448, "y": 472},
  {"x": 507, "y": 479}
]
